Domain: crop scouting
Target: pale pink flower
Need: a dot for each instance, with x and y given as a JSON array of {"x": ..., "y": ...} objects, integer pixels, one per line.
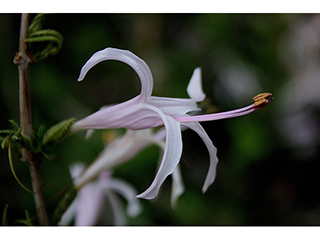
[
  {"x": 87, "y": 207},
  {"x": 123, "y": 149},
  {"x": 146, "y": 111}
]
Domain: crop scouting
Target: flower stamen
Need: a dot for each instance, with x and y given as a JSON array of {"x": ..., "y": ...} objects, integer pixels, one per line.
[{"x": 262, "y": 100}]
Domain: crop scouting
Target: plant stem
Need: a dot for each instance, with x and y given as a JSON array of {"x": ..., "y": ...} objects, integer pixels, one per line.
[
  {"x": 37, "y": 189},
  {"x": 22, "y": 60}
]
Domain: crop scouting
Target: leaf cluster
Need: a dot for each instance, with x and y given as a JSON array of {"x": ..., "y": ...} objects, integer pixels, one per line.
[
  {"x": 26, "y": 222},
  {"x": 39, "y": 142},
  {"x": 42, "y": 42}
]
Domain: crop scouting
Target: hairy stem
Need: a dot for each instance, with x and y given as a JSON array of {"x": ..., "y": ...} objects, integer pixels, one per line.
[{"x": 22, "y": 60}]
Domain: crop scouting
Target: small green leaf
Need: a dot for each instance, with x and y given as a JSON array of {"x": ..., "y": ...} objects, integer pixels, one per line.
[
  {"x": 27, "y": 221},
  {"x": 41, "y": 131},
  {"x": 4, "y": 216},
  {"x": 25, "y": 142},
  {"x": 37, "y": 22},
  {"x": 42, "y": 42},
  {"x": 5, "y": 142},
  {"x": 57, "y": 132},
  {"x": 14, "y": 125},
  {"x": 7, "y": 132}
]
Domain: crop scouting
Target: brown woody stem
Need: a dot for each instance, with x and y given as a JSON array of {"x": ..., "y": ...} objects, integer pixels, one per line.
[{"x": 22, "y": 60}]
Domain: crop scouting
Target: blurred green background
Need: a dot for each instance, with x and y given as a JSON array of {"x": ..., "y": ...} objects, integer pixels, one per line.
[{"x": 268, "y": 171}]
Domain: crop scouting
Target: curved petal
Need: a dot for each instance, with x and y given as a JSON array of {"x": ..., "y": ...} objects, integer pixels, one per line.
[
  {"x": 171, "y": 156},
  {"x": 128, "y": 192},
  {"x": 122, "y": 149},
  {"x": 195, "y": 126},
  {"x": 117, "y": 209},
  {"x": 177, "y": 186},
  {"x": 138, "y": 65},
  {"x": 194, "y": 88}
]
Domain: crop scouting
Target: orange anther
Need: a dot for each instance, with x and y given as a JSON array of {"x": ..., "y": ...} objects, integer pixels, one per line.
[
  {"x": 261, "y": 96},
  {"x": 261, "y": 100}
]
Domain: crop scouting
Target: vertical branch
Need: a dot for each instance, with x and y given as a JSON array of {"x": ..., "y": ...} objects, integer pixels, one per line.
[
  {"x": 22, "y": 60},
  {"x": 37, "y": 189}
]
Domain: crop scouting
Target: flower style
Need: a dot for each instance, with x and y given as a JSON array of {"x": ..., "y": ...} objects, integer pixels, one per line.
[
  {"x": 146, "y": 111},
  {"x": 86, "y": 207}
]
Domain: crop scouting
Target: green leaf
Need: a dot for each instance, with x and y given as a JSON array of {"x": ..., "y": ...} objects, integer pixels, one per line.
[
  {"x": 25, "y": 142},
  {"x": 41, "y": 131},
  {"x": 5, "y": 142},
  {"x": 14, "y": 125},
  {"x": 27, "y": 221},
  {"x": 42, "y": 42},
  {"x": 57, "y": 132},
  {"x": 7, "y": 132},
  {"x": 4, "y": 216},
  {"x": 37, "y": 22}
]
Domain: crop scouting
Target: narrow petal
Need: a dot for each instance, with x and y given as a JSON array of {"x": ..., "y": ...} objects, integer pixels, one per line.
[
  {"x": 194, "y": 88},
  {"x": 138, "y": 65},
  {"x": 117, "y": 209},
  {"x": 195, "y": 126},
  {"x": 177, "y": 186},
  {"x": 90, "y": 202},
  {"x": 122, "y": 149},
  {"x": 171, "y": 156},
  {"x": 128, "y": 192},
  {"x": 69, "y": 214}
]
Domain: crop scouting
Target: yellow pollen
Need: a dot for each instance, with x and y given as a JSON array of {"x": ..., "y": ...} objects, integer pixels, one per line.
[
  {"x": 261, "y": 100},
  {"x": 261, "y": 96}
]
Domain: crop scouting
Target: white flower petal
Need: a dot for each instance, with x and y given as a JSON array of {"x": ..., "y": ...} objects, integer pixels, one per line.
[
  {"x": 171, "y": 157},
  {"x": 177, "y": 186},
  {"x": 117, "y": 209},
  {"x": 194, "y": 88},
  {"x": 195, "y": 126},
  {"x": 138, "y": 65},
  {"x": 174, "y": 107},
  {"x": 128, "y": 192},
  {"x": 69, "y": 214},
  {"x": 89, "y": 205},
  {"x": 131, "y": 115},
  {"x": 76, "y": 170},
  {"x": 89, "y": 133},
  {"x": 122, "y": 149}
]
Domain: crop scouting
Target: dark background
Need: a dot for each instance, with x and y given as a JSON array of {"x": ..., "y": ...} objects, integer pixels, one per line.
[{"x": 268, "y": 171}]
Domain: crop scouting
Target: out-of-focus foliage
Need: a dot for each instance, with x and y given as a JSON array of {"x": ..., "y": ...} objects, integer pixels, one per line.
[{"x": 269, "y": 166}]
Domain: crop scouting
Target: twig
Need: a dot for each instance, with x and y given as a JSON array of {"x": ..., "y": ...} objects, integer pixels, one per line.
[{"x": 22, "y": 60}]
